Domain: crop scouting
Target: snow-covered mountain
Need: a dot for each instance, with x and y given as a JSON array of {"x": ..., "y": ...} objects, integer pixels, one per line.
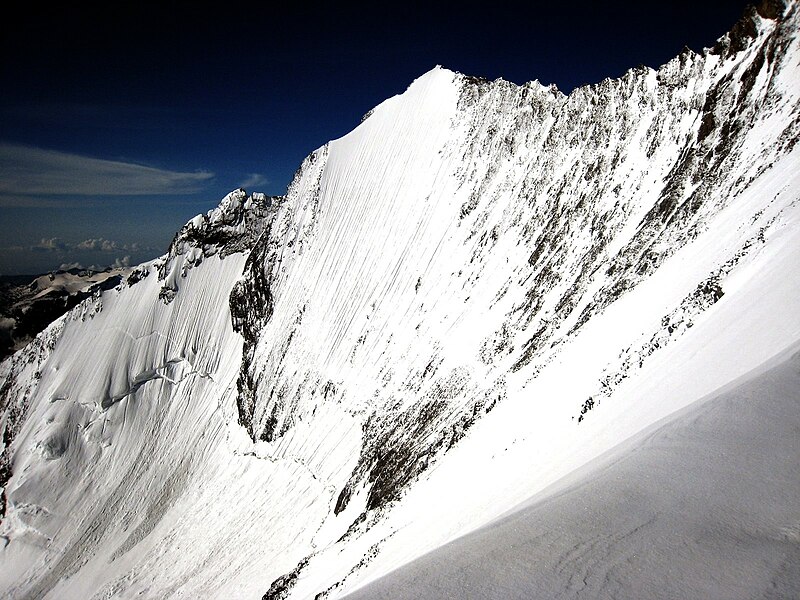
[
  {"x": 473, "y": 294},
  {"x": 28, "y": 305}
]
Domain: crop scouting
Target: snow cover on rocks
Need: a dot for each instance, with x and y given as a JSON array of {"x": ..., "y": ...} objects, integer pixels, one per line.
[{"x": 477, "y": 291}]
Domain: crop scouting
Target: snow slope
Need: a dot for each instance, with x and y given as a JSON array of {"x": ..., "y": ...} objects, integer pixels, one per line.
[
  {"x": 703, "y": 505},
  {"x": 476, "y": 292}
]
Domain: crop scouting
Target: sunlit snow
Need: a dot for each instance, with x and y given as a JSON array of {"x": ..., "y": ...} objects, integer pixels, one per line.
[{"x": 478, "y": 291}]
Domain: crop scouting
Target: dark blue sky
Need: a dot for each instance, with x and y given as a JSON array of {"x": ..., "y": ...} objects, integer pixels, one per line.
[{"x": 119, "y": 124}]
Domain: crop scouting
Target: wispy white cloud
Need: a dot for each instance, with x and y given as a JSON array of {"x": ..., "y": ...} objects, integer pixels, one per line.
[
  {"x": 50, "y": 245},
  {"x": 125, "y": 261},
  {"x": 70, "y": 265},
  {"x": 254, "y": 180},
  {"x": 58, "y": 246},
  {"x": 98, "y": 244},
  {"x": 29, "y": 171}
]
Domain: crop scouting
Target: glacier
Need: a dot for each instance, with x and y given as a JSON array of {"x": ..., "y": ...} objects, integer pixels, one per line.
[{"x": 477, "y": 292}]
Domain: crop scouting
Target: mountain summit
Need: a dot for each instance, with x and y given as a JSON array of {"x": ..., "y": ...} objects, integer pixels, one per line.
[{"x": 475, "y": 293}]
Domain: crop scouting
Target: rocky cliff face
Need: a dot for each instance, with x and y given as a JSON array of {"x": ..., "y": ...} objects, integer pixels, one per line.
[{"x": 311, "y": 390}]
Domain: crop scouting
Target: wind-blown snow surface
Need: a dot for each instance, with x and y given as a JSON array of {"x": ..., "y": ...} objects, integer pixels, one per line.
[
  {"x": 474, "y": 293},
  {"x": 702, "y": 506}
]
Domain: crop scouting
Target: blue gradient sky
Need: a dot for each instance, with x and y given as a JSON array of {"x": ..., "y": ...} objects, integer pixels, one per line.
[{"x": 119, "y": 124}]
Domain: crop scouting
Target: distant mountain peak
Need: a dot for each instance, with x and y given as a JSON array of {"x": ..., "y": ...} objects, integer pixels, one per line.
[{"x": 232, "y": 226}]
